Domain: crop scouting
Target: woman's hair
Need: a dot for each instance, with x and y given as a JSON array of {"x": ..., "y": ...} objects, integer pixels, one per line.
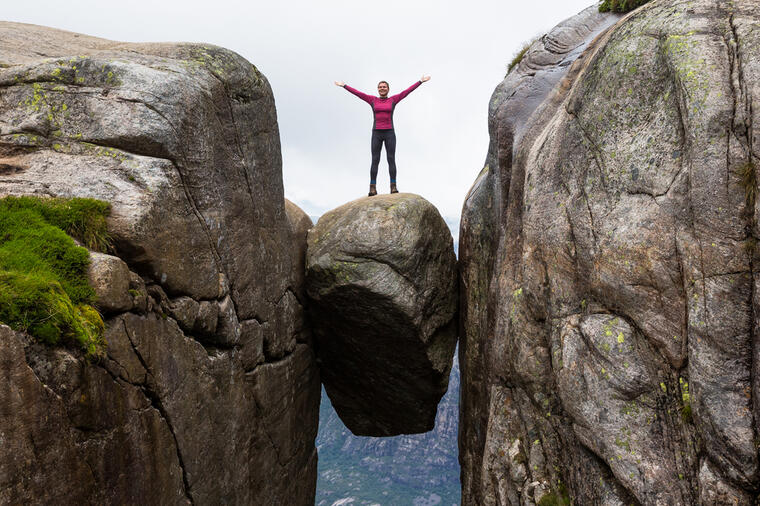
[{"x": 386, "y": 83}]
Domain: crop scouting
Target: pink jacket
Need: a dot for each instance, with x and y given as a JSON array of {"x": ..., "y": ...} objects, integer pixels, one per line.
[{"x": 383, "y": 107}]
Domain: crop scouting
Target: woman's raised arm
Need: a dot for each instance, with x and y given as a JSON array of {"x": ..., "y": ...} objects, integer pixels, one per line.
[
  {"x": 399, "y": 97},
  {"x": 363, "y": 96}
]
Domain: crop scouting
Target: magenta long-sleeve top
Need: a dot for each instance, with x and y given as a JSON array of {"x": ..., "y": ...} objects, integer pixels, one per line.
[{"x": 383, "y": 107}]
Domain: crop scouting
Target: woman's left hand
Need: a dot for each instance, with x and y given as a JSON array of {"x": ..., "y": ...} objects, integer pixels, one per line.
[{"x": 424, "y": 78}]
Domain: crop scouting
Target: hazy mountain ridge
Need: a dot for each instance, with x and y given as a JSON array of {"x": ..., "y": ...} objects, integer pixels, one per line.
[{"x": 418, "y": 469}]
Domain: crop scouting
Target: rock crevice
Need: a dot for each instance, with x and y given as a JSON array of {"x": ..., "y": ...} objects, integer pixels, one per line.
[{"x": 155, "y": 401}]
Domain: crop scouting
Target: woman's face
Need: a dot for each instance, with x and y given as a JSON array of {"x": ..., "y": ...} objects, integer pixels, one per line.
[{"x": 382, "y": 89}]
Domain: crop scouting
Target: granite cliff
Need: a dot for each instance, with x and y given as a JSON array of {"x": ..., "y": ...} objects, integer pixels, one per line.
[
  {"x": 608, "y": 249},
  {"x": 607, "y": 291},
  {"x": 208, "y": 391}
]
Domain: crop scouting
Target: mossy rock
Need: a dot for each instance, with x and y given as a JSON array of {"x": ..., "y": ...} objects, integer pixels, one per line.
[
  {"x": 44, "y": 289},
  {"x": 620, "y": 5},
  {"x": 559, "y": 497}
]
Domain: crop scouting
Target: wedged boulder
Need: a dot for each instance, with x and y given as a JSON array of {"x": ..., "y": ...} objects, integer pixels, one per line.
[
  {"x": 381, "y": 282},
  {"x": 608, "y": 262}
]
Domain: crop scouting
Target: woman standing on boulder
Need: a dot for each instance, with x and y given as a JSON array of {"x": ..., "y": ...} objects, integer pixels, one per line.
[{"x": 382, "y": 129}]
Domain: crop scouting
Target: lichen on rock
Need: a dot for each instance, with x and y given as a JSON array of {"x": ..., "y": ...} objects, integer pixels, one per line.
[{"x": 617, "y": 206}]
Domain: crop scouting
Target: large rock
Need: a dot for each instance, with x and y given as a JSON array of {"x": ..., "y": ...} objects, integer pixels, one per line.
[
  {"x": 608, "y": 258},
  {"x": 209, "y": 392},
  {"x": 181, "y": 139},
  {"x": 517, "y": 99},
  {"x": 381, "y": 281},
  {"x": 65, "y": 429}
]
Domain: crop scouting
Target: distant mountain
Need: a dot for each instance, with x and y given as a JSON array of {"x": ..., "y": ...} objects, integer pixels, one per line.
[{"x": 419, "y": 470}]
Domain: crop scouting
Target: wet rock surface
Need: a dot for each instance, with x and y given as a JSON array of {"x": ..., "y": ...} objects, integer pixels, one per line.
[
  {"x": 381, "y": 282},
  {"x": 608, "y": 257},
  {"x": 209, "y": 390}
]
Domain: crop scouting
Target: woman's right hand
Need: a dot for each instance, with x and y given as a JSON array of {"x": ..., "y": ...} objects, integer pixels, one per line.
[{"x": 340, "y": 83}]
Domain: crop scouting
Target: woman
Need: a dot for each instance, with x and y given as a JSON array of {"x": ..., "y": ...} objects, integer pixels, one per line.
[{"x": 382, "y": 129}]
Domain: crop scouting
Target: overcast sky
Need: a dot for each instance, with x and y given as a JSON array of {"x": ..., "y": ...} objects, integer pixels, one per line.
[{"x": 304, "y": 46}]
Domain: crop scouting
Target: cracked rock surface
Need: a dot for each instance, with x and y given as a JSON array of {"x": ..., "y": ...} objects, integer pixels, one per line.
[
  {"x": 608, "y": 253},
  {"x": 209, "y": 392},
  {"x": 381, "y": 282}
]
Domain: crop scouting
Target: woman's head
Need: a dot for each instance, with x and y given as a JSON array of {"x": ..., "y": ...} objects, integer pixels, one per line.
[{"x": 382, "y": 88}]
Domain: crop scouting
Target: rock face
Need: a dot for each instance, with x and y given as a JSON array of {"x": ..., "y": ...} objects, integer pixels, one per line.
[
  {"x": 381, "y": 280},
  {"x": 210, "y": 392},
  {"x": 608, "y": 252}
]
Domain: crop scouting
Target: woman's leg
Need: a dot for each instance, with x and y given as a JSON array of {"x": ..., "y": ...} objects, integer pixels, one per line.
[
  {"x": 390, "y": 151},
  {"x": 377, "y": 143}
]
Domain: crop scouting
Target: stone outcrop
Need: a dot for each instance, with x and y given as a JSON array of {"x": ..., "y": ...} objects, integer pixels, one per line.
[
  {"x": 110, "y": 277},
  {"x": 209, "y": 392},
  {"x": 608, "y": 252},
  {"x": 381, "y": 282}
]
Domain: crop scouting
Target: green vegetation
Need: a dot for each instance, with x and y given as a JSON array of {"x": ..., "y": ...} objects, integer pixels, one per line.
[
  {"x": 44, "y": 288},
  {"x": 686, "y": 400},
  {"x": 559, "y": 497},
  {"x": 748, "y": 181},
  {"x": 620, "y": 5},
  {"x": 517, "y": 58}
]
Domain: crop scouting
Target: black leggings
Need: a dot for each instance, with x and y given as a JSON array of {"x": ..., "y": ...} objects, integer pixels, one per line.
[{"x": 389, "y": 138}]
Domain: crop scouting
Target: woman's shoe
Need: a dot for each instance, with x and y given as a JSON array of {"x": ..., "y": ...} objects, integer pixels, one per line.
[
  {"x": 372, "y": 190},
  {"x": 393, "y": 188}
]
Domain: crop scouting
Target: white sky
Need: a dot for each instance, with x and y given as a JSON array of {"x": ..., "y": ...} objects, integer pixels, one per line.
[{"x": 304, "y": 46}]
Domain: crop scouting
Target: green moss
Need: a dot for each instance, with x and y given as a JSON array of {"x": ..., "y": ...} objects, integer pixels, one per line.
[
  {"x": 44, "y": 288},
  {"x": 559, "y": 497},
  {"x": 620, "y": 5},
  {"x": 748, "y": 181},
  {"x": 84, "y": 219},
  {"x": 688, "y": 62}
]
